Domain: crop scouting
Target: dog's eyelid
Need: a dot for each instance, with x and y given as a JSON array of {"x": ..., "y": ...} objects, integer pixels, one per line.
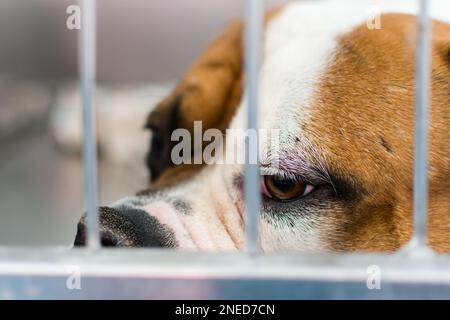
[{"x": 307, "y": 176}]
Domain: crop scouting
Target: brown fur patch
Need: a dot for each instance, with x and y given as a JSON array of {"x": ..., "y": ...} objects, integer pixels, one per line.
[
  {"x": 363, "y": 123},
  {"x": 209, "y": 92}
]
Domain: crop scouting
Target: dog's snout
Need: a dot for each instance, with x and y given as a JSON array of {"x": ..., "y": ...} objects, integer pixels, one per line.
[{"x": 127, "y": 227}]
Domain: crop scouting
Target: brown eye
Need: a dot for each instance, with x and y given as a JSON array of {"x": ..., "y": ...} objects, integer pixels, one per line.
[{"x": 283, "y": 189}]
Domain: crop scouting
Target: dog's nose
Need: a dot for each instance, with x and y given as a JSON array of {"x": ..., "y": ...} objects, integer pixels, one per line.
[{"x": 127, "y": 227}]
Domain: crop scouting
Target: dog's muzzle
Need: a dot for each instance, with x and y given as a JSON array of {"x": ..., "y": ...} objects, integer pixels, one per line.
[{"x": 127, "y": 227}]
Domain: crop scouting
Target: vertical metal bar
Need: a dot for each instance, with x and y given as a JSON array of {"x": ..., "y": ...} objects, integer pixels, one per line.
[
  {"x": 421, "y": 126},
  {"x": 87, "y": 56},
  {"x": 253, "y": 37}
]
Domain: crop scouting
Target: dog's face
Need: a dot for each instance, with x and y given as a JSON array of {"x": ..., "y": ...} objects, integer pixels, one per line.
[{"x": 341, "y": 98}]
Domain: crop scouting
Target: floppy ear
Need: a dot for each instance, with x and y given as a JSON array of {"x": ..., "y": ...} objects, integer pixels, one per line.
[{"x": 209, "y": 92}]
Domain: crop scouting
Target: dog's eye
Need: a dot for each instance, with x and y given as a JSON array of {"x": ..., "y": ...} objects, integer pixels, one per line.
[{"x": 283, "y": 189}]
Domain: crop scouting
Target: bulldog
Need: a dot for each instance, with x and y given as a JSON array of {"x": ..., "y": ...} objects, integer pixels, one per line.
[{"x": 338, "y": 84}]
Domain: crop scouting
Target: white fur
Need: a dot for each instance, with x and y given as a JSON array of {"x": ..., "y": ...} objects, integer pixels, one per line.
[
  {"x": 121, "y": 114},
  {"x": 300, "y": 42}
]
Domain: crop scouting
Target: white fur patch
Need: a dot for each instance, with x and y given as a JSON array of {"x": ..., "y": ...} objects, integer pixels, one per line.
[
  {"x": 300, "y": 42},
  {"x": 299, "y": 45}
]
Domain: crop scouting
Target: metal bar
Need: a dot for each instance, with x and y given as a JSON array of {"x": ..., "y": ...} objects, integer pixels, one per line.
[
  {"x": 421, "y": 127},
  {"x": 160, "y": 263},
  {"x": 153, "y": 288},
  {"x": 157, "y": 274},
  {"x": 253, "y": 33},
  {"x": 87, "y": 56}
]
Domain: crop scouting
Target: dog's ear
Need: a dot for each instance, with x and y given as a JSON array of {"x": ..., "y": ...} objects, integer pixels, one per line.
[{"x": 209, "y": 92}]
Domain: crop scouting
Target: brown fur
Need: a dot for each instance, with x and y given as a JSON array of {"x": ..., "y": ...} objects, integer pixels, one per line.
[
  {"x": 363, "y": 124},
  {"x": 210, "y": 91}
]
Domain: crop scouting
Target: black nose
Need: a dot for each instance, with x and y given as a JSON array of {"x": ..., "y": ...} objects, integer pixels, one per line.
[{"x": 127, "y": 227}]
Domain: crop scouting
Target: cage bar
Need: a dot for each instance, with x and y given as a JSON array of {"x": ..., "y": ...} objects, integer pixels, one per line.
[
  {"x": 87, "y": 56},
  {"x": 253, "y": 32},
  {"x": 157, "y": 274},
  {"x": 421, "y": 126}
]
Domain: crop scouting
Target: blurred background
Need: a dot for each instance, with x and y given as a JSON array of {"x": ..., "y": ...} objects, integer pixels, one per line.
[{"x": 143, "y": 47}]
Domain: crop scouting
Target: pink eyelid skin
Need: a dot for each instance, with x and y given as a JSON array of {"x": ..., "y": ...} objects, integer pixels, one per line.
[
  {"x": 263, "y": 187},
  {"x": 264, "y": 190},
  {"x": 308, "y": 189}
]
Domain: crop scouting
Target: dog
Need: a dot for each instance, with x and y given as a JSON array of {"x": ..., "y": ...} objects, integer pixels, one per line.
[{"x": 339, "y": 86}]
